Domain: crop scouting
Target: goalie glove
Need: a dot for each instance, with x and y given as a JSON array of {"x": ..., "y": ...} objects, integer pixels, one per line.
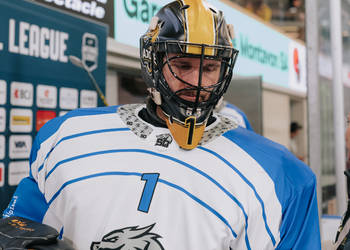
[{"x": 20, "y": 233}]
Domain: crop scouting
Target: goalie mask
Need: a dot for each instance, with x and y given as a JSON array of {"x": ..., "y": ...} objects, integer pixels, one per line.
[{"x": 187, "y": 60}]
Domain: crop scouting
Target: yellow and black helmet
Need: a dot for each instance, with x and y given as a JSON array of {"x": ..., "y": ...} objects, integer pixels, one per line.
[{"x": 183, "y": 30}]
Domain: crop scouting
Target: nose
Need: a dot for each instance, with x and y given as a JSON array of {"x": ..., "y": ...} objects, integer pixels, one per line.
[{"x": 192, "y": 77}]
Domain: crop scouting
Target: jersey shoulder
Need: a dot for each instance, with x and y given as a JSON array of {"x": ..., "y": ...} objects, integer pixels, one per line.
[
  {"x": 280, "y": 164},
  {"x": 74, "y": 122},
  {"x": 53, "y": 125}
]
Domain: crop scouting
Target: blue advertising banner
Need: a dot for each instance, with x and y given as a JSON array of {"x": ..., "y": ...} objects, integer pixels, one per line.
[{"x": 37, "y": 80}]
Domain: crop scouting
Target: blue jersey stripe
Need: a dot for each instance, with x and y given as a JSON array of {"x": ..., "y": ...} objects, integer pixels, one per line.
[
  {"x": 162, "y": 156},
  {"x": 202, "y": 203},
  {"x": 88, "y": 177},
  {"x": 53, "y": 125},
  {"x": 193, "y": 197},
  {"x": 295, "y": 188},
  {"x": 249, "y": 184},
  {"x": 79, "y": 135}
]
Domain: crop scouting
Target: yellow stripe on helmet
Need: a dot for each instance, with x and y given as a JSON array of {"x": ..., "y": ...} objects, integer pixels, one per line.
[{"x": 200, "y": 26}]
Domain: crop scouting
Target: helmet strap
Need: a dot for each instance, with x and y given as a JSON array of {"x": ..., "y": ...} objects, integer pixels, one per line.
[
  {"x": 155, "y": 95},
  {"x": 220, "y": 103},
  {"x": 152, "y": 111}
]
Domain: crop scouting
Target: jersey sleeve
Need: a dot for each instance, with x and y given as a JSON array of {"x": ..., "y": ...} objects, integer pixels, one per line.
[
  {"x": 300, "y": 223},
  {"x": 295, "y": 188},
  {"x": 27, "y": 202}
]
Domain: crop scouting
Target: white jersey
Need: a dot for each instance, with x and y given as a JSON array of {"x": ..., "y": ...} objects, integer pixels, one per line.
[
  {"x": 233, "y": 112},
  {"x": 106, "y": 179}
]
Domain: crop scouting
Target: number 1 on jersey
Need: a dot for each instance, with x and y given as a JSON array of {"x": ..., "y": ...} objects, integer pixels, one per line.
[{"x": 148, "y": 190}]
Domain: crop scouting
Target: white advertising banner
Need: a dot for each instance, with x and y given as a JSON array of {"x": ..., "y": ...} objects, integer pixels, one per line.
[
  {"x": 22, "y": 94},
  {"x": 21, "y": 120},
  {"x": 2, "y": 147},
  {"x": 68, "y": 98},
  {"x": 297, "y": 67},
  {"x": 46, "y": 96},
  {"x": 17, "y": 171},
  {"x": 3, "y": 94},
  {"x": 88, "y": 98},
  {"x": 19, "y": 146},
  {"x": 2, "y": 119}
]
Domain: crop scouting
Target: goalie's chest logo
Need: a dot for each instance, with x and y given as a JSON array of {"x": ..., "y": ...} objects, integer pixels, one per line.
[
  {"x": 130, "y": 238},
  {"x": 164, "y": 140}
]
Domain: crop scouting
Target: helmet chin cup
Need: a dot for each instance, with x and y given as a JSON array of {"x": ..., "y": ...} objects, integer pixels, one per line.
[
  {"x": 189, "y": 112},
  {"x": 187, "y": 134}
]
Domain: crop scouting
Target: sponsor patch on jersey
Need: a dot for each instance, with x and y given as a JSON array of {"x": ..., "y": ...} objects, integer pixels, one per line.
[
  {"x": 164, "y": 140},
  {"x": 129, "y": 238}
]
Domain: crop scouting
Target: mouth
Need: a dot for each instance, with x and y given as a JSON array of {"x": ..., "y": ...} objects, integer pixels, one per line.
[{"x": 192, "y": 95}]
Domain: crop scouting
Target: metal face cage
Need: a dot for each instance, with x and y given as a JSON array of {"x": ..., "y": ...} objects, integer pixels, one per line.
[{"x": 202, "y": 93}]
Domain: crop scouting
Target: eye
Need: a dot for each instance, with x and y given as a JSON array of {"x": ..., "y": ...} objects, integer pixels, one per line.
[
  {"x": 182, "y": 66},
  {"x": 211, "y": 67},
  {"x": 113, "y": 239}
]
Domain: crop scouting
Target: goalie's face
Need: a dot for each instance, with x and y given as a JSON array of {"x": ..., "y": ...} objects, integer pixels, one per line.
[
  {"x": 187, "y": 58},
  {"x": 187, "y": 78}
]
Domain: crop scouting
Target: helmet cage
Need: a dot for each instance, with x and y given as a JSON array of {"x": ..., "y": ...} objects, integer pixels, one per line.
[{"x": 172, "y": 104}]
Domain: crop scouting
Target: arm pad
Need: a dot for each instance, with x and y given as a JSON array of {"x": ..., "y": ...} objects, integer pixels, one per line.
[{"x": 21, "y": 233}]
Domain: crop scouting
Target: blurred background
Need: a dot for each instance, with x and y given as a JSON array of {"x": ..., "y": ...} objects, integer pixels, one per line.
[{"x": 275, "y": 82}]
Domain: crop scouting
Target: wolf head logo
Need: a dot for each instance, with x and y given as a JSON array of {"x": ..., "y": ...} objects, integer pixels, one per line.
[{"x": 129, "y": 238}]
